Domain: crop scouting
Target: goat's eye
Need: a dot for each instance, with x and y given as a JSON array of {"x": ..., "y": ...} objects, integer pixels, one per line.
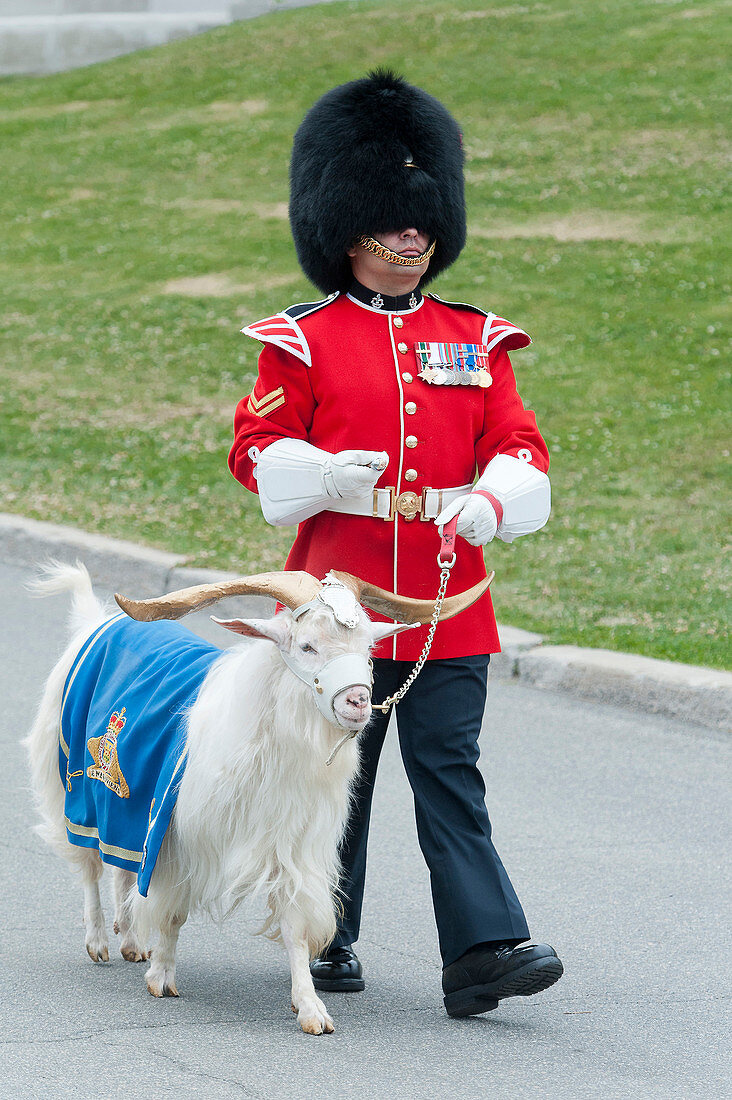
[{"x": 307, "y": 648}]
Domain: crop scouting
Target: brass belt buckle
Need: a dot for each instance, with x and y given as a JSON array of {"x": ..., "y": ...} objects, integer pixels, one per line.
[{"x": 408, "y": 505}]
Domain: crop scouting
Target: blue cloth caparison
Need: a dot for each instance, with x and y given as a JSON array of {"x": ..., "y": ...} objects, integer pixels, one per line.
[{"x": 122, "y": 737}]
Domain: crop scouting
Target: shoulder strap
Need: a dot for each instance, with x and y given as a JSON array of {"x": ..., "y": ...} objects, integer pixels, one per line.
[
  {"x": 457, "y": 305},
  {"x": 496, "y": 330},
  {"x": 304, "y": 309}
]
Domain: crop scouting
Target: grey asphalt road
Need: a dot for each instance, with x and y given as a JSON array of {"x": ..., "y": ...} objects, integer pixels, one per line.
[{"x": 614, "y": 828}]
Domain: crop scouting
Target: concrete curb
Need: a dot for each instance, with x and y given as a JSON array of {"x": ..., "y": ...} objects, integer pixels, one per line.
[
  {"x": 687, "y": 693},
  {"x": 701, "y": 696}
]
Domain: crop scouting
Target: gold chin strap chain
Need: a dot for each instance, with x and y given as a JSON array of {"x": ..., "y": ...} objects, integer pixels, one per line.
[
  {"x": 385, "y": 253},
  {"x": 445, "y": 568}
]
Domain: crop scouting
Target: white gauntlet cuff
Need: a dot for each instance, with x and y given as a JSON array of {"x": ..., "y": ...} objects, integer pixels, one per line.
[
  {"x": 296, "y": 480},
  {"x": 291, "y": 480},
  {"x": 523, "y": 491}
]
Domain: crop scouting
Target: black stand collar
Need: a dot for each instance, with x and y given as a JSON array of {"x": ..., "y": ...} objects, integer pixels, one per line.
[{"x": 384, "y": 303}]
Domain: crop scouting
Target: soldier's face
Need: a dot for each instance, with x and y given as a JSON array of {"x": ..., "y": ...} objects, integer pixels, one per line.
[{"x": 380, "y": 274}]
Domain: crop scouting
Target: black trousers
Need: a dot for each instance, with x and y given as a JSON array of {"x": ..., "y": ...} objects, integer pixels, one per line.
[{"x": 439, "y": 721}]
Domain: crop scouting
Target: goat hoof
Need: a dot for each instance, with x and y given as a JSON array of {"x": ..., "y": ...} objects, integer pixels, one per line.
[
  {"x": 97, "y": 952},
  {"x": 131, "y": 953},
  {"x": 161, "y": 988},
  {"x": 115, "y": 928},
  {"x": 312, "y": 1025},
  {"x": 314, "y": 1020}
]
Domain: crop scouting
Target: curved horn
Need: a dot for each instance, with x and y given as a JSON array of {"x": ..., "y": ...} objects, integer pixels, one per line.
[
  {"x": 404, "y": 608},
  {"x": 290, "y": 588}
]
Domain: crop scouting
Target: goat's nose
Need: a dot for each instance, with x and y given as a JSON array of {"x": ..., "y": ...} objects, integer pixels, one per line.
[{"x": 358, "y": 697}]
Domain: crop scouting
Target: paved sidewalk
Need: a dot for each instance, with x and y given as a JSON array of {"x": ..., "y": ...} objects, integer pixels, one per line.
[
  {"x": 613, "y": 829},
  {"x": 666, "y": 688}
]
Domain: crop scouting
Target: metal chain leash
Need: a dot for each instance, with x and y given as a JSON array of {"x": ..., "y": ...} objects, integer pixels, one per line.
[{"x": 392, "y": 700}]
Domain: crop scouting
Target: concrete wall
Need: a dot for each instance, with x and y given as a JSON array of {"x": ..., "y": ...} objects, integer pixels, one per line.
[
  {"x": 32, "y": 8},
  {"x": 21, "y": 8},
  {"x": 47, "y": 36},
  {"x": 51, "y": 43}
]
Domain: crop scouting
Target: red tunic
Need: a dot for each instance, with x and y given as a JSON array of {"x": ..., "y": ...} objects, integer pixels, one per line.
[{"x": 349, "y": 379}]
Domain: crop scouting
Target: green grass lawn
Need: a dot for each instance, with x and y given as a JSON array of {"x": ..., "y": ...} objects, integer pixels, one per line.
[{"x": 144, "y": 220}]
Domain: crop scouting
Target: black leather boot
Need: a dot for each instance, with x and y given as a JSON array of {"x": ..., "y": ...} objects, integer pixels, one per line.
[
  {"x": 479, "y": 979},
  {"x": 337, "y": 970}
]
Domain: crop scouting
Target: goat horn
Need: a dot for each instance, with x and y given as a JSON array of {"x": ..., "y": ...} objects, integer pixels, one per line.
[
  {"x": 404, "y": 608},
  {"x": 290, "y": 588}
]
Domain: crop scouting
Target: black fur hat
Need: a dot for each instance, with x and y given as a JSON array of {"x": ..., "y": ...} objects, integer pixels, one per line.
[{"x": 349, "y": 175}]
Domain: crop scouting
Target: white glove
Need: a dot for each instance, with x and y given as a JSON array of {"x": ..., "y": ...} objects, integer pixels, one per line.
[
  {"x": 296, "y": 480},
  {"x": 477, "y": 520},
  {"x": 522, "y": 491},
  {"x": 354, "y": 473}
]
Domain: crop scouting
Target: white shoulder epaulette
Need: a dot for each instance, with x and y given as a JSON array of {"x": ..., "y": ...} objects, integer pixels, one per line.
[
  {"x": 284, "y": 331},
  {"x": 496, "y": 330}
]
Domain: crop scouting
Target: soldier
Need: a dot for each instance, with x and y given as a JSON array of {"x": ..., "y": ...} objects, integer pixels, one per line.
[{"x": 372, "y": 411}]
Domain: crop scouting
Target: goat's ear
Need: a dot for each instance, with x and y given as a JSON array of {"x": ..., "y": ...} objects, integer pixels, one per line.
[
  {"x": 277, "y": 630},
  {"x": 379, "y": 631}
]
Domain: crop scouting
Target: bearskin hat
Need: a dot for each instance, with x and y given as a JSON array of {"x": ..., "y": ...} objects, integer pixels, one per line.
[{"x": 374, "y": 156}]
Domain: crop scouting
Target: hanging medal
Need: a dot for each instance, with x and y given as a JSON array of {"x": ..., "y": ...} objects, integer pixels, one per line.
[{"x": 453, "y": 364}]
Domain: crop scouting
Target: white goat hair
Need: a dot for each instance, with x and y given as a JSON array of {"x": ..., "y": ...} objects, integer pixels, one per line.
[{"x": 258, "y": 814}]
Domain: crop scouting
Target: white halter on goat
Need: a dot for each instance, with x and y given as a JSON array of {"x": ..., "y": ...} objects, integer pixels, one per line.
[{"x": 348, "y": 670}]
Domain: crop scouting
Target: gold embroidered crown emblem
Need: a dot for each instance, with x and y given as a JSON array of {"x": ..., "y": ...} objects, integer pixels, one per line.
[
  {"x": 104, "y": 754},
  {"x": 116, "y": 722}
]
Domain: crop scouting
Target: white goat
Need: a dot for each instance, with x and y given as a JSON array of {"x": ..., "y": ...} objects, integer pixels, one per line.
[{"x": 258, "y": 814}]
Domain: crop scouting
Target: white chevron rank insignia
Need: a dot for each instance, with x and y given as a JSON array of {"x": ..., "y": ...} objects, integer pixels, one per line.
[{"x": 263, "y": 406}]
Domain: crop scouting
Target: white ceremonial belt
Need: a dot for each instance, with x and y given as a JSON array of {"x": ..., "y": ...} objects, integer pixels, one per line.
[{"x": 385, "y": 503}]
